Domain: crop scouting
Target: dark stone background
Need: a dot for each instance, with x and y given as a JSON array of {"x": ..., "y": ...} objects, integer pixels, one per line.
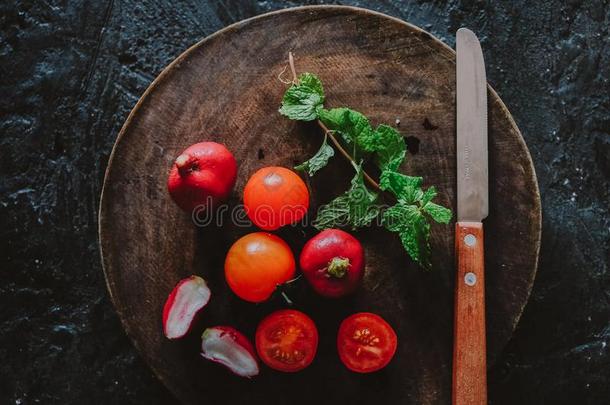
[{"x": 70, "y": 71}]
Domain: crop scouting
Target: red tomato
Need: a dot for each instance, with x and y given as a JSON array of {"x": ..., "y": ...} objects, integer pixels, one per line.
[
  {"x": 333, "y": 262},
  {"x": 366, "y": 342},
  {"x": 274, "y": 197},
  {"x": 287, "y": 340},
  {"x": 256, "y": 264}
]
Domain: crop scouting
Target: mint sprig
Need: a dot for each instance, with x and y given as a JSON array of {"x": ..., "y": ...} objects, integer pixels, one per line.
[
  {"x": 409, "y": 217},
  {"x": 385, "y": 147},
  {"x": 355, "y": 208},
  {"x": 412, "y": 228}
]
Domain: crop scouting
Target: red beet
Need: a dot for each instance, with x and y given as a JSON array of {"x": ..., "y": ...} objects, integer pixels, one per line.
[
  {"x": 229, "y": 347},
  {"x": 203, "y": 175},
  {"x": 183, "y": 304},
  {"x": 333, "y": 263}
]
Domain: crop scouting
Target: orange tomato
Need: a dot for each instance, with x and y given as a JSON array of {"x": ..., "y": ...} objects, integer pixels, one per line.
[
  {"x": 256, "y": 264},
  {"x": 274, "y": 197}
]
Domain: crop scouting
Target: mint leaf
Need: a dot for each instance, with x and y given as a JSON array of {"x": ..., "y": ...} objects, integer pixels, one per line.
[
  {"x": 355, "y": 129},
  {"x": 355, "y": 208},
  {"x": 438, "y": 212},
  {"x": 353, "y": 126},
  {"x": 413, "y": 230},
  {"x": 335, "y": 214},
  {"x": 317, "y": 161},
  {"x": 428, "y": 195},
  {"x": 335, "y": 119},
  {"x": 311, "y": 81},
  {"x": 390, "y": 147},
  {"x": 303, "y": 100},
  {"x": 362, "y": 208},
  {"x": 406, "y": 188},
  {"x": 332, "y": 118}
]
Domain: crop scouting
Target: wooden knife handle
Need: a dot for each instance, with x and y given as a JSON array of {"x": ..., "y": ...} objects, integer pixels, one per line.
[{"x": 469, "y": 346}]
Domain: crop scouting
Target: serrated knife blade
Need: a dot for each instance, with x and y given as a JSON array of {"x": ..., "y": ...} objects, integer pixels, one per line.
[{"x": 471, "y": 109}]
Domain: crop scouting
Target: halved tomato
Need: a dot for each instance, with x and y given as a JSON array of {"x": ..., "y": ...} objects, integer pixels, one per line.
[
  {"x": 366, "y": 342},
  {"x": 287, "y": 340}
]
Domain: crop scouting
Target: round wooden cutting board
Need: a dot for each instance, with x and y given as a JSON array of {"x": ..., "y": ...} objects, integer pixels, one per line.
[{"x": 226, "y": 89}]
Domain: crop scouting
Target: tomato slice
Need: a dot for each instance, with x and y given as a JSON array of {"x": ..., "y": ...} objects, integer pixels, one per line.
[
  {"x": 287, "y": 340},
  {"x": 366, "y": 342}
]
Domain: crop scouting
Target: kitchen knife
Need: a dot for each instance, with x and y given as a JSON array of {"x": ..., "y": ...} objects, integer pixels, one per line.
[{"x": 469, "y": 349}]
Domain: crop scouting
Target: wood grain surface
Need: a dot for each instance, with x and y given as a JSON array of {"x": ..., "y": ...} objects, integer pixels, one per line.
[
  {"x": 469, "y": 340},
  {"x": 226, "y": 89}
]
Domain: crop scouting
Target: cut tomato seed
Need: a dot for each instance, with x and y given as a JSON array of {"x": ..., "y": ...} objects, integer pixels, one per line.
[{"x": 366, "y": 342}]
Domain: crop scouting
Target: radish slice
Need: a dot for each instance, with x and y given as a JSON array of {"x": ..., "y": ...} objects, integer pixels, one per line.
[
  {"x": 186, "y": 300},
  {"x": 229, "y": 347}
]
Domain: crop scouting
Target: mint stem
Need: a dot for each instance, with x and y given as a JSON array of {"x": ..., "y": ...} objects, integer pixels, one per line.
[
  {"x": 295, "y": 78},
  {"x": 369, "y": 179},
  {"x": 332, "y": 137}
]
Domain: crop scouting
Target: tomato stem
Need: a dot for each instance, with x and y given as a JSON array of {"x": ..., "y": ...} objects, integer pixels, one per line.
[
  {"x": 286, "y": 298},
  {"x": 292, "y": 280},
  {"x": 337, "y": 267}
]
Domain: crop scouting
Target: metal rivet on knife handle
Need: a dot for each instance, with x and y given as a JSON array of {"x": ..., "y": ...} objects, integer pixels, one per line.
[
  {"x": 470, "y": 240},
  {"x": 470, "y": 279}
]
